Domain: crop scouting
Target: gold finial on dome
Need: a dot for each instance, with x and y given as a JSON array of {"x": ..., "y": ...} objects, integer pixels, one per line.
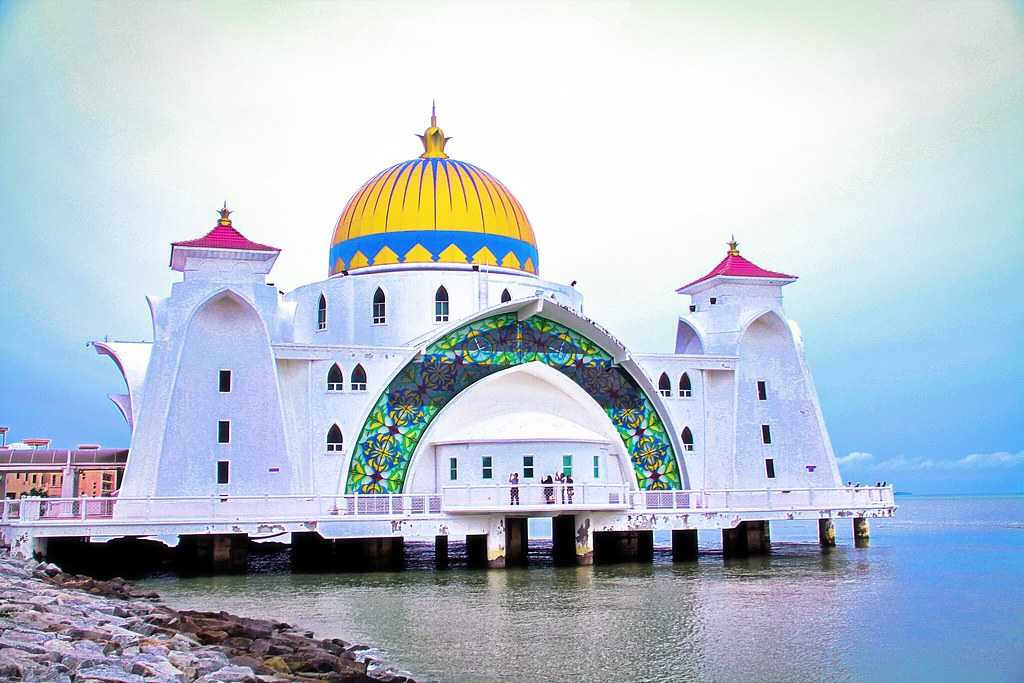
[
  {"x": 433, "y": 138},
  {"x": 225, "y": 214},
  {"x": 733, "y": 251}
]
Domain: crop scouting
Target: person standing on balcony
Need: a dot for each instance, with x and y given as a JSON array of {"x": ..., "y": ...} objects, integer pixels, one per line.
[
  {"x": 514, "y": 491},
  {"x": 569, "y": 490},
  {"x": 549, "y": 491}
]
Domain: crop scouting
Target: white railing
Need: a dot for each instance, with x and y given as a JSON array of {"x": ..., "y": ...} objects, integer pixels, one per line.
[
  {"x": 452, "y": 499},
  {"x": 765, "y": 499},
  {"x": 507, "y": 495}
]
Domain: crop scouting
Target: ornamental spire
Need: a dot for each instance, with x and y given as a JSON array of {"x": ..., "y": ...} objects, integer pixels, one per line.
[
  {"x": 433, "y": 138},
  {"x": 733, "y": 251},
  {"x": 225, "y": 215}
]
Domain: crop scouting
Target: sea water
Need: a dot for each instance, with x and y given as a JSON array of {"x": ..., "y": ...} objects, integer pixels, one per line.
[{"x": 938, "y": 595}]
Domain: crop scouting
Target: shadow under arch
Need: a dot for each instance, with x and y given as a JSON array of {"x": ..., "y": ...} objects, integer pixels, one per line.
[{"x": 464, "y": 355}]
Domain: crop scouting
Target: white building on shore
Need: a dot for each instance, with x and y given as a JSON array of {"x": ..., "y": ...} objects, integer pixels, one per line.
[{"x": 434, "y": 361}]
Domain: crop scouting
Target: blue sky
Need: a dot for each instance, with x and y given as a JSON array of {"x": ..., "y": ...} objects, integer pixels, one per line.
[{"x": 874, "y": 149}]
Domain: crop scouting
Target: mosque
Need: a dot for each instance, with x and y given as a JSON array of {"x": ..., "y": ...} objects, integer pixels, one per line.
[{"x": 434, "y": 372}]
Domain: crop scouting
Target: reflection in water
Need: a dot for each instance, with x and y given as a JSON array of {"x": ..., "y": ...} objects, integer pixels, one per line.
[{"x": 799, "y": 614}]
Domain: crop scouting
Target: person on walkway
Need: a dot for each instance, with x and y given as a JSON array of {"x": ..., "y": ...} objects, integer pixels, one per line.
[
  {"x": 549, "y": 491},
  {"x": 514, "y": 491},
  {"x": 560, "y": 480},
  {"x": 569, "y": 490}
]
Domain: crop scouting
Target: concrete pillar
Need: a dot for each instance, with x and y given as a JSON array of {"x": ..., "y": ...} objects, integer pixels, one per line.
[
  {"x": 644, "y": 546},
  {"x": 441, "y": 552},
  {"x": 311, "y": 551},
  {"x": 68, "y": 483},
  {"x": 476, "y": 550},
  {"x": 684, "y": 545},
  {"x": 826, "y": 533},
  {"x": 496, "y": 544},
  {"x": 584, "y": 540},
  {"x": 623, "y": 546},
  {"x": 517, "y": 541},
  {"x": 734, "y": 541},
  {"x": 759, "y": 540},
  {"x": 563, "y": 540},
  {"x": 861, "y": 532}
]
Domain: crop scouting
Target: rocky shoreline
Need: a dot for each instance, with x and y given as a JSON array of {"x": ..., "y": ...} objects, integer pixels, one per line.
[{"x": 70, "y": 628}]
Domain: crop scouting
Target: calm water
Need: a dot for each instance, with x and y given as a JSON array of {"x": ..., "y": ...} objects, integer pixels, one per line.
[{"x": 939, "y": 595}]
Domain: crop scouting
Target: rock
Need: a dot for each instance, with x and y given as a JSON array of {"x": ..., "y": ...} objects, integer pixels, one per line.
[
  {"x": 158, "y": 668},
  {"x": 277, "y": 664},
  {"x": 33, "y": 648},
  {"x": 109, "y": 674},
  {"x": 260, "y": 647},
  {"x": 238, "y": 643},
  {"x": 207, "y": 637},
  {"x": 253, "y": 663},
  {"x": 230, "y": 674},
  {"x": 88, "y": 634},
  {"x": 317, "y": 662}
]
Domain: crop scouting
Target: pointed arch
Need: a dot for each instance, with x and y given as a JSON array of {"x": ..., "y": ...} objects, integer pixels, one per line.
[
  {"x": 321, "y": 313},
  {"x": 335, "y": 440},
  {"x": 441, "y": 305},
  {"x": 358, "y": 378},
  {"x": 335, "y": 379},
  {"x": 688, "y": 338},
  {"x": 380, "y": 307},
  {"x": 664, "y": 385},
  {"x": 687, "y": 439},
  {"x": 505, "y": 296},
  {"x": 685, "y": 386}
]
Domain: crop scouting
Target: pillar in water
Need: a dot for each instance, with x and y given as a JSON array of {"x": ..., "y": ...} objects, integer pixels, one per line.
[
  {"x": 496, "y": 544},
  {"x": 861, "y": 532},
  {"x": 584, "y": 540},
  {"x": 826, "y": 533}
]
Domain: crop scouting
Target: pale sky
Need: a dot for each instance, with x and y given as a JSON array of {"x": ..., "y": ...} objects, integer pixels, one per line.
[{"x": 874, "y": 149}]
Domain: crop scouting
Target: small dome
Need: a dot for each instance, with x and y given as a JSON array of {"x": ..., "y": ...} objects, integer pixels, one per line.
[{"x": 433, "y": 210}]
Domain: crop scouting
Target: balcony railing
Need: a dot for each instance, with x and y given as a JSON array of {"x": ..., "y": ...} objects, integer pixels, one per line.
[{"x": 452, "y": 499}]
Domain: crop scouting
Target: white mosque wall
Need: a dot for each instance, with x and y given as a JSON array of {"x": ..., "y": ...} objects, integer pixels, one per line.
[{"x": 410, "y": 297}]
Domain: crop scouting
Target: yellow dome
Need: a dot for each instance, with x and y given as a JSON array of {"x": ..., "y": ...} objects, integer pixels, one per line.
[{"x": 433, "y": 210}]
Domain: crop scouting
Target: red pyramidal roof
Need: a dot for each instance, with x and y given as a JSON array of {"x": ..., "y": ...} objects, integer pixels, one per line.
[
  {"x": 734, "y": 265},
  {"x": 224, "y": 236}
]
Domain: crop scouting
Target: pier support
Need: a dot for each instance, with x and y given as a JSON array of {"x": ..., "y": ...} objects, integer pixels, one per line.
[
  {"x": 563, "y": 540},
  {"x": 684, "y": 545},
  {"x": 213, "y": 553},
  {"x": 517, "y": 541},
  {"x": 747, "y": 538},
  {"x": 441, "y": 552},
  {"x": 496, "y": 544},
  {"x": 826, "y": 533},
  {"x": 861, "y": 532},
  {"x": 623, "y": 546},
  {"x": 476, "y": 551},
  {"x": 584, "y": 540}
]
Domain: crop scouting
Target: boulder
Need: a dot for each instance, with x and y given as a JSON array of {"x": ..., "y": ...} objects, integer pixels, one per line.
[
  {"x": 109, "y": 674},
  {"x": 230, "y": 674},
  {"x": 277, "y": 664}
]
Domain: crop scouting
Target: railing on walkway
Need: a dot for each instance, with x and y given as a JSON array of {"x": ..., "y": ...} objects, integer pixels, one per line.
[
  {"x": 452, "y": 499},
  {"x": 502, "y": 495}
]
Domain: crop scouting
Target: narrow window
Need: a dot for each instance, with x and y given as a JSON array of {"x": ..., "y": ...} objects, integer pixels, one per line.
[
  {"x": 685, "y": 388},
  {"x": 453, "y": 468},
  {"x": 766, "y": 434},
  {"x": 664, "y": 385},
  {"x": 380, "y": 307},
  {"x": 358, "y": 378},
  {"x": 714, "y": 300},
  {"x": 687, "y": 439},
  {"x": 567, "y": 465},
  {"x": 762, "y": 390},
  {"x": 527, "y": 467},
  {"x": 335, "y": 379},
  {"x": 769, "y": 467},
  {"x": 223, "y": 471},
  {"x": 321, "y": 313},
  {"x": 441, "y": 305},
  {"x": 335, "y": 442},
  {"x": 225, "y": 381},
  {"x": 487, "y": 469},
  {"x": 597, "y": 467},
  {"x": 223, "y": 431},
  {"x": 505, "y": 296}
]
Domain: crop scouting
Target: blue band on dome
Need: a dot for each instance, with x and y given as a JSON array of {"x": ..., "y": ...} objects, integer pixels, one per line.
[{"x": 434, "y": 241}]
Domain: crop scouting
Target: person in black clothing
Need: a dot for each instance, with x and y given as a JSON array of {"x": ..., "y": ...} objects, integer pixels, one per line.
[
  {"x": 549, "y": 491},
  {"x": 514, "y": 491}
]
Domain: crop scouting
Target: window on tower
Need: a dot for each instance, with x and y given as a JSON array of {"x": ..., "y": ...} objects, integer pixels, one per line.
[
  {"x": 687, "y": 437},
  {"x": 505, "y": 296},
  {"x": 441, "y": 305},
  {"x": 321, "y": 313},
  {"x": 380, "y": 307},
  {"x": 335, "y": 379},
  {"x": 685, "y": 388},
  {"x": 335, "y": 442},
  {"x": 664, "y": 385},
  {"x": 358, "y": 378}
]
